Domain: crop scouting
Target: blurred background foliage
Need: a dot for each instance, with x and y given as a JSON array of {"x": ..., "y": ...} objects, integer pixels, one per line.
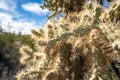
[{"x": 9, "y": 52}]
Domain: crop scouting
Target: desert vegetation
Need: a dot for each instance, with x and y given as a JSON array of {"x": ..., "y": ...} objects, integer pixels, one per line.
[
  {"x": 10, "y": 44},
  {"x": 80, "y": 41},
  {"x": 84, "y": 44}
]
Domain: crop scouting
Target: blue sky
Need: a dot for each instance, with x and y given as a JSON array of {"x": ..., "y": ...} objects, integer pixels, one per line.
[{"x": 22, "y": 15}]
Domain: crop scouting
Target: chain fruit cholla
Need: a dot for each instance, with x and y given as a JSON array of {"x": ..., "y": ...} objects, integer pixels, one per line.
[{"x": 79, "y": 46}]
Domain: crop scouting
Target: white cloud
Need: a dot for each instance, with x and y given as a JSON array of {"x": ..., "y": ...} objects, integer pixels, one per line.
[
  {"x": 23, "y": 26},
  {"x": 8, "y": 5},
  {"x": 6, "y": 17},
  {"x": 34, "y": 8}
]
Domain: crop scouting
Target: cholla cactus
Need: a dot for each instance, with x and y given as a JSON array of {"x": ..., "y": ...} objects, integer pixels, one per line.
[
  {"x": 26, "y": 53},
  {"x": 80, "y": 46}
]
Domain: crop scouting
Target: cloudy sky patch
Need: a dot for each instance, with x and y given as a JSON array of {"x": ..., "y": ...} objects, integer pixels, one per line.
[
  {"x": 36, "y": 9},
  {"x": 22, "y": 15}
]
